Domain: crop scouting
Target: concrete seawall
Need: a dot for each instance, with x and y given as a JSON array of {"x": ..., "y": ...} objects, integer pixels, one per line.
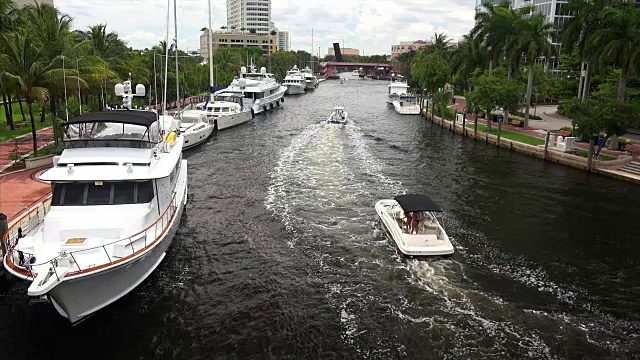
[{"x": 551, "y": 155}]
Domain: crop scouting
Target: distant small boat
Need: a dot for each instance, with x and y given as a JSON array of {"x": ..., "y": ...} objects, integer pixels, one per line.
[
  {"x": 338, "y": 116},
  {"x": 421, "y": 234}
]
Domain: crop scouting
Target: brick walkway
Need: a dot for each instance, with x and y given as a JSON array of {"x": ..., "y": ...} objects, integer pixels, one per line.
[
  {"x": 19, "y": 190},
  {"x": 43, "y": 136}
]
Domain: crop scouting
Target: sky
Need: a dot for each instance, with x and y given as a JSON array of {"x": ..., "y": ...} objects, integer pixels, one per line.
[{"x": 369, "y": 25}]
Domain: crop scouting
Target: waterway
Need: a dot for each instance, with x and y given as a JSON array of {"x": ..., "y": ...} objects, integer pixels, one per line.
[{"x": 280, "y": 255}]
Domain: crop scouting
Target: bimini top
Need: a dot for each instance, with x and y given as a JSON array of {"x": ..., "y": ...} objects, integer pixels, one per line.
[
  {"x": 417, "y": 202},
  {"x": 132, "y": 117}
]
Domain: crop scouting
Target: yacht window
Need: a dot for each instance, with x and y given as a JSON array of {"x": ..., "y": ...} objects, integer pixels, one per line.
[
  {"x": 144, "y": 193},
  {"x": 98, "y": 194},
  {"x": 102, "y": 193},
  {"x": 123, "y": 193},
  {"x": 73, "y": 194}
]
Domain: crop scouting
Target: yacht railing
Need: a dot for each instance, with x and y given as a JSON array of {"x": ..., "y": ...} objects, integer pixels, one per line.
[{"x": 132, "y": 245}]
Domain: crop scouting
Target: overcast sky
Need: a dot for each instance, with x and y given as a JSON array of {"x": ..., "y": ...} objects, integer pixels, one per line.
[{"x": 369, "y": 25}]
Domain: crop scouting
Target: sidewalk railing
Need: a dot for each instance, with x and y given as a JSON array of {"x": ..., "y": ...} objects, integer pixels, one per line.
[{"x": 121, "y": 250}]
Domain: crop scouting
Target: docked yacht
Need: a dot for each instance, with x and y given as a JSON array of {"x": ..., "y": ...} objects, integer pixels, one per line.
[
  {"x": 311, "y": 81},
  {"x": 194, "y": 127},
  {"x": 228, "y": 110},
  {"x": 407, "y": 104},
  {"x": 294, "y": 81},
  {"x": 355, "y": 73},
  {"x": 411, "y": 222},
  {"x": 118, "y": 192},
  {"x": 338, "y": 116},
  {"x": 259, "y": 89},
  {"x": 396, "y": 88}
]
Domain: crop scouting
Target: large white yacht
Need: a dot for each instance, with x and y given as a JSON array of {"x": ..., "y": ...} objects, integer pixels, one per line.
[
  {"x": 195, "y": 128},
  {"x": 406, "y": 104},
  {"x": 260, "y": 90},
  {"x": 118, "y": 192},
  {"x": 411, "y": 222},
  {"x": 311, "y": 81},
  {"x": 294, "y": 81},
  {"x": 397, "y": 87}
]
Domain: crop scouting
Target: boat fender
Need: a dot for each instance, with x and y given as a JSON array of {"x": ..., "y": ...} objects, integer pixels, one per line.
[
  {"x": 171, "y": 138},
  {"x": 271, "y": 106},
  {"x": 278, "y": 103},
  {"x": 282, "y": 99},
  {"x": 253, "y": 114},
  {"x": 264, "y": 108}
]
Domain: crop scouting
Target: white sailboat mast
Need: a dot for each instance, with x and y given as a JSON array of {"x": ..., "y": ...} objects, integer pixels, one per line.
[
  {"x": 175, "y": 20},
  {"x": 210, "y": 54}
]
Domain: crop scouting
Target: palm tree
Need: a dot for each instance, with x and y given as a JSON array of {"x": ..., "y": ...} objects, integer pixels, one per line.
[
  {"x": 26, "y": 65},
  {"x": 578, "y": 31},
  {"x": 618, "y": 42},
  {"x": 532, "y": 42},
  {"x": 441, "y": 43},
  {"x": 227, "y": 63},
  {"x": 495, "y": 25},
  {"x": 471, "y": 55}
]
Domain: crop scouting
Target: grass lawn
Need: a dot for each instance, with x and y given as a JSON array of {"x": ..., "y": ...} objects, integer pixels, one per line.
[
  {"x": 585, "y": 153},
  {"x": 6, "y": 133},
  {"x": 511, "y": 135}
]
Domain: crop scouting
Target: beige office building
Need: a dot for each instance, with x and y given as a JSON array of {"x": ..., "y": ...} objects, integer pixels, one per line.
[{"x": 237, "y": 40}]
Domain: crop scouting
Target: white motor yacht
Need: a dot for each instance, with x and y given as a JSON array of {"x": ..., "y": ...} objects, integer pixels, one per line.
[
  {"x": 118, "y": 192},
  {"x": 228, "y": 110},
  {"x": 338, "y": 116},
  {"x": 424, "y": 236},
  {"x": 407, "y": 104},
  {"x": 355, "y": 73},
  {"x": 311, "y": 80},
  {"x": 260, "y": 90},
  {"x": 294, "y": 81},
  {"x": 396, "y": 88},
  {"x": 194, "y": 127}
]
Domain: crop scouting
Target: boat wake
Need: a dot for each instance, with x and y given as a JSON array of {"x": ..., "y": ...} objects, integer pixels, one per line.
[{"x": 323, "y": 189}]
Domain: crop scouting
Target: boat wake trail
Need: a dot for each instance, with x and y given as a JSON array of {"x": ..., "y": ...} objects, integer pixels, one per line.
[{"x": 323, "y": 189}]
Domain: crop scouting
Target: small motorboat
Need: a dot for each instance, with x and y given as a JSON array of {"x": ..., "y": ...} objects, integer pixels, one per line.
[
  {"x": 422, "y": 234},
  {"x": 338, "y": 116}
]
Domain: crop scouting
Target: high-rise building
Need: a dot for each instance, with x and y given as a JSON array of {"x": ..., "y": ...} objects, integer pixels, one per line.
[
  {"x": 21, "y": 3},
  {"x": 284, "y": 42},
  {"x": 250, "y": 15}
]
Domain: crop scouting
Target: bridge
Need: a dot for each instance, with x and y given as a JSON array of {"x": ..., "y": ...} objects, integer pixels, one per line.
[{"x": 331, "y": 69}]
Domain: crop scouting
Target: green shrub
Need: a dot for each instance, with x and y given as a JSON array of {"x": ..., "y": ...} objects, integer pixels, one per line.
[{"x": 521, "y": 114}]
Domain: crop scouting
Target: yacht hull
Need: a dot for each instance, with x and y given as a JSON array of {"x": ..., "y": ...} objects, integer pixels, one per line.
[
  {"x": 268, "y": 102},
  {"x": 197, "y": 137},
  {"x": 407, "y": 109},
  {"x": 295, "y": 90},
  {"x": 77, "y": 298},
  {"x": 227, "y": 121}
]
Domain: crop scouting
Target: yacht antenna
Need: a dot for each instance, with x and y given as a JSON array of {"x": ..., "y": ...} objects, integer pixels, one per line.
[{"x": 175, "y": 20}]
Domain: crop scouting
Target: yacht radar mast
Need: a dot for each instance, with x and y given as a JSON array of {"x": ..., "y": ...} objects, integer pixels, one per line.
[{"x": 125, "y": 91}]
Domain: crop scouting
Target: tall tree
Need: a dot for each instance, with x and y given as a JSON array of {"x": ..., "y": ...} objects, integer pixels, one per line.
[
  {"x": 618, "y": 42},
  {"x": 532, "y": 42},
  {"x": 471, "y": 55}
]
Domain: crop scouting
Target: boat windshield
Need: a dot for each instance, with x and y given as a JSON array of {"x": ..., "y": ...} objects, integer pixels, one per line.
[
  {"x": 102, "y": 193},
  {"x": 257, "y": 77},
  {"x": 111, "y": 134}
]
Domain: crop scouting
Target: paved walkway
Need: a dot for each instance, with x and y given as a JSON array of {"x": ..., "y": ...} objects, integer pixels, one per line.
[
  {"x": 25, "y": 146},
  {"x": 534, "y": 129},
  {"x": 20, "y": 189}
]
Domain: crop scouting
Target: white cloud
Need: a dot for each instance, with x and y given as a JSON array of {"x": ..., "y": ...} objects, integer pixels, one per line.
[{"x": 372, "y": 25}]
